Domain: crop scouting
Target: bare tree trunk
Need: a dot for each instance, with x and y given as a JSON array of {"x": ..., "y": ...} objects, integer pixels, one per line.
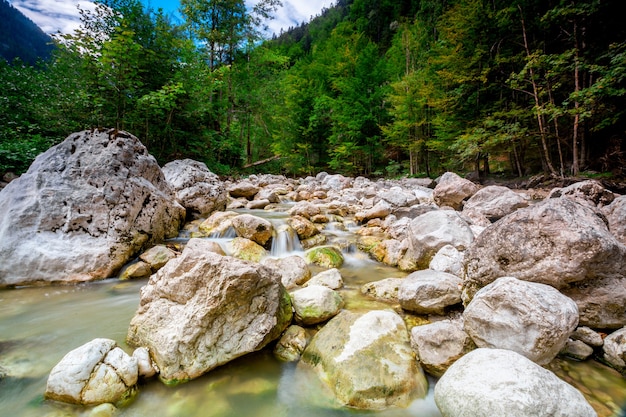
[{"x": 540, "y": 121}]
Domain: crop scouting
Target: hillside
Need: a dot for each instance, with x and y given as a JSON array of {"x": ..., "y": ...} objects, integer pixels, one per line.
[{"x": 20, "y": 37}]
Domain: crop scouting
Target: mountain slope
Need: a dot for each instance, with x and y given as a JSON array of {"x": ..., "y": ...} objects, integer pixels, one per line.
[{"x": 20, "y": 37}]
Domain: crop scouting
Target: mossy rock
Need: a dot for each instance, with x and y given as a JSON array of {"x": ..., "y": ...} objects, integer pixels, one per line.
[
  {"x": 246, "y": 249},
  {"x": 324, "y": 256}
]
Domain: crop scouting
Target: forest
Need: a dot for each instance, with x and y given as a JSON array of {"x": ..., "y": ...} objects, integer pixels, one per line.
[{"x": 368, "y": 87}]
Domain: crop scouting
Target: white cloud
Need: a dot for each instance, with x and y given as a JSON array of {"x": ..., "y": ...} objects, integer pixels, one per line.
[
  {"x": 294, "y": 12},
  {"x": 53, "y": 16}
]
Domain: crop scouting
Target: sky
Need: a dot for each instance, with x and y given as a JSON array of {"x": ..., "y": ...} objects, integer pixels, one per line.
[{"x": 62, "y": 15}]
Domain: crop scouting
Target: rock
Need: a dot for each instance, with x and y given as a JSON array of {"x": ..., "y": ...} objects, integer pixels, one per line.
[
  {"x": 429, "y": 292},
  {"x": 588, "y": 336},
  {"x": 324, "y": 256},
  {"x": 246, "y": 249},
  {"x": 366, "y": 360},
  {"x": 202, "y": 310},
  {"x": 600, "y": 301},
  {"x": 616, "y": 216},
  {"x": 293, "y": 270},
  {"x": 136, "y": 270},
  {"x": 83, "y": 210},
  {"x": 95, "y": 373},
  {"x": 198, "y": 190},
  {"x": 577, "y": 350},
  {"x": 556, "y": 242},
  {"x": 432, "y": 231},
  {"x": 254, "y": 228},
  {"x": 103, "y": 410},
  {"x": 303, "y": 227},
  {"x": 305, "y": 209},
  {"x": 495, "y": 202},
  {"x": 438, "y": 345},
  {"x": 157, "y": 256},
  {"x": 315, "y": 304},
  {"x": 218, "y": 223},
  {"x": 383, "y": 290},
  {"x": 398, "y": 197},
  {"x": 257, "y": 204},
  {"x": 243, "y": 189},
  {"x": 381, "y": 210},
  {"x": 145, "y": 366},
  {"x": 336, "y": 182},
  {"x": 452, "y": 190},
  {"x": 291, "y": 344},
  {"x": 448, "y": 259},
  {"x": 532, "y": 319},
  {"x": 589, "y": 192},
  {"x": 497, "y": 382},
  {"x": 615, "y": 349},
  {"x": 330, "y": 278}
]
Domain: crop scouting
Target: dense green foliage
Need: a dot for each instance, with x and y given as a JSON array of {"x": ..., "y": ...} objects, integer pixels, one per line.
[{"x": 369, "y": 87}]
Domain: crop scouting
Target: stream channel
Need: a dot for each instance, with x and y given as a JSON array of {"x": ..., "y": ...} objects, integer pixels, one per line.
[{"x": 39, "y": 325}]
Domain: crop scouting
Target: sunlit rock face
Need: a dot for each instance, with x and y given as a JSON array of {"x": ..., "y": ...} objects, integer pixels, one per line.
[
  {"x": 366, "y": 360},
  {"x": 497, "y": 382},
  {"x": 202, "y": 310},
  {"x": 97, "y": 372},
  {"x": 83, "y": 209}
]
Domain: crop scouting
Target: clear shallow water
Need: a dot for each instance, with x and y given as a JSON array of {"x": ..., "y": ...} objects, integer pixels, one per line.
[{"x": 38, "y": 326}]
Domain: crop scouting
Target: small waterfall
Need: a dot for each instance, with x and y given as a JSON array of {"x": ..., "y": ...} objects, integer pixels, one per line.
[
  {"x": 228, "y": 233},
  {"x": 285, "y": 242}
]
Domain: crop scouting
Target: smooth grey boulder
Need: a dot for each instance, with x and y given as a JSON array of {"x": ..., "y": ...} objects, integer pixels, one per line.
[
  {"x": 244, "y": 189},
  {"x": 383, "y": 290},
  {"x": 202, "y": 310},
  {"x": 84, "y": 209},
  {"x": 557, "y": 242},
  {"x": 432, "y": 231},
  {"x": 330, "y": 278},
  {"x": 438, "y": 345},
  {"x": 532, "y": 319},
  {"x": 315, "y": 304},
  {"x": 495, "y": 202},
  {"x": 448, "y": 259},
  {"x": 600, "y": 301},
  {"x": 366, "y": 360},
  {"x": 429, "y": 292},
  {"x": 452, "y": 190},
  {"x": 498, "y": 382},
  {"x": 199, "y": 190},
  {"x": 95, "y": 373}
]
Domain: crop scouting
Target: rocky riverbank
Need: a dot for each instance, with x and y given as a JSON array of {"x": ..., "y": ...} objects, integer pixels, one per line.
[{"x": 505, "y": 282}]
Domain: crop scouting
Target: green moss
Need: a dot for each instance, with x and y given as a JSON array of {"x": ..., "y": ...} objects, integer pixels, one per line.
[{"x": 325, "y": 256}]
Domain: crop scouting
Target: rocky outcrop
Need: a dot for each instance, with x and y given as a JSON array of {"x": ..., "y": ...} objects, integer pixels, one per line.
[
  {"x": 202, "y": 310},
  {"x": 495, "y": 201},
  {"x": 497, "y": 382},
  {"x": 97, "y": 372},
  {"x": 558, "y": 242},
  {"x": 198, "y": 189},
  {"x": 534, "y": 320},
  {"x": 83, "y": 209},
  {"x": 366, "y": 360}
]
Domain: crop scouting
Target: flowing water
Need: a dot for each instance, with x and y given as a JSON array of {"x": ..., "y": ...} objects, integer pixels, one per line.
[{"x": 39, "y": 325}]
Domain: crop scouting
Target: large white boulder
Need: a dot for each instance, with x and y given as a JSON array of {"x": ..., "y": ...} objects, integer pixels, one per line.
[
  {"x": 83, "y": 209},
  {"x": 202, "y": 310},
  {"x": 429, "y": 292},
  {"x": 452, "y": 190},
  {"x": 534, "y": 320},
  {"x": 498, "y": 382},
  {"x": 95, "y": 373},
  {"x": 366, "y": 360}
]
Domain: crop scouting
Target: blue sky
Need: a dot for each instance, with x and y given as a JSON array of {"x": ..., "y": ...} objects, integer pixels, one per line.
[{"x": 62, "y": 15}]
